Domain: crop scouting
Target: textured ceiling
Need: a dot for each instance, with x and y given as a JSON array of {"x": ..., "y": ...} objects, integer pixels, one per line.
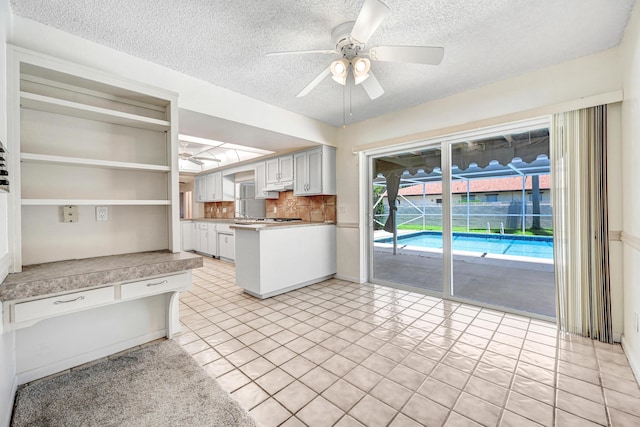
[{"x": 224, "y": 42}]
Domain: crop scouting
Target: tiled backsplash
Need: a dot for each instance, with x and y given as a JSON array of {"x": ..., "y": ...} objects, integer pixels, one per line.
[
  {"x": 309, "y": 208},
  {"x": 219, "y": 210}
]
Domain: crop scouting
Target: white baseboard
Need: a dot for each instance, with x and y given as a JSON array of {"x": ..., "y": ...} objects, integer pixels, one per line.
[
  {"x": 63, "y": 365},
  {"x": 348, "y": 278},
  {"x": 632, "y": 358}
]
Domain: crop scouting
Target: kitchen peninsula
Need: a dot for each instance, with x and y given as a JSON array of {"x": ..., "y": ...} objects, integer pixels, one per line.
[{"x": 274, "y": 258}]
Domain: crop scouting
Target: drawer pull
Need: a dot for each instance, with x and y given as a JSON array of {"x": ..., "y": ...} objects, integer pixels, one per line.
[
  {"x": 80, "y": 298},
  {"x": 157, "y": 283}
]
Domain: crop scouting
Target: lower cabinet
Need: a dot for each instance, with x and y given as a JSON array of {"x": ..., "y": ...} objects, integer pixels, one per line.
[
  {"x": 226, "y": 246},
  {"x": 187, "y": 232},
  {"x": 201, "y": 238}
]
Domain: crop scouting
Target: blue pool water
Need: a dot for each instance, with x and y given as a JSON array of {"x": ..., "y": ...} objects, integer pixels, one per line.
[{"x": 529, "y": 246}]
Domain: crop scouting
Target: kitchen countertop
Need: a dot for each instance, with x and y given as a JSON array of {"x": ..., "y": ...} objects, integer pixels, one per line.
[
  {"x": 259, "y": 226},
  {"x": 239, "y": 224},
  {"x": 226, "y": 221},
  {"x": 62, "y": 276}
]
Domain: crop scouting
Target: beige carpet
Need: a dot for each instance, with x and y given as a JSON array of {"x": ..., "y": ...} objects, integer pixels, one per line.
[{"x": 158, "y": 385}]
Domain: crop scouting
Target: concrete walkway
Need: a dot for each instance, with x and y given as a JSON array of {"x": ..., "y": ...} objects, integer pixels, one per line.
[{"x": 524, "y": 286}]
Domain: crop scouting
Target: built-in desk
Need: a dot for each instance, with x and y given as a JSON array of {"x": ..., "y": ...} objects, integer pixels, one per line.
[{"x": 71, "y": 312}]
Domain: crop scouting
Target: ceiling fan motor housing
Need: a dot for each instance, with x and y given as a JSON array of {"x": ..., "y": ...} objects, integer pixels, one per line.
[{"x": 341, "y": 35}]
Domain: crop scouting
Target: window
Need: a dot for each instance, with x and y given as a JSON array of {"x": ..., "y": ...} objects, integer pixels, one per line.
[
  {"x": 472, "y": 198},
  {"x": 492, "y": 197}
]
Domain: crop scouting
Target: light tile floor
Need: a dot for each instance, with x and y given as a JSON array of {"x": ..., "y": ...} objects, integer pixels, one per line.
[{"x": 345, "y": 354}]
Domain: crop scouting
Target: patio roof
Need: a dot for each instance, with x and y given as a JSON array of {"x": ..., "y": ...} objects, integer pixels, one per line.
[{"x": 517, "y": 167}]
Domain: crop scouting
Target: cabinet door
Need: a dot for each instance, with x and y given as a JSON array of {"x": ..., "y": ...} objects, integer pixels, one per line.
[
  {"x": 314, "y": 171},
  {"x": 200, "y": 189},
  {"x": 226, "y": 246},
  {"x": 261, "y": 181},
  {"x": 213, "y": 185},
  {"x": 203, "y": 236},
  {"x": 210, "y": 188},
  {"x": 212, "y": 240},
  {"x": 273, "y": 171},
  {"x": 217, "y": 187},
  {"x": 186, "y": 236},
  {"x": 286, "y": 168},
  {"x": 300, "y": 184}
]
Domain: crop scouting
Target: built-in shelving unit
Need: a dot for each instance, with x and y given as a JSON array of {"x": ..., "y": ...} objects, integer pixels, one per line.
[
  {"x": 59, "y": 106},
  {"x": 93, "y": 202},
  {"x": 86, "y": 139},
  {"x": 77, "y": 161}
]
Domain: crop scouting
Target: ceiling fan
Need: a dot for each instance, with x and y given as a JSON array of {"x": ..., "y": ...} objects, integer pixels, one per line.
[
  {"x": 194, "y": 158},
  {"x": 350, "y": 41}
]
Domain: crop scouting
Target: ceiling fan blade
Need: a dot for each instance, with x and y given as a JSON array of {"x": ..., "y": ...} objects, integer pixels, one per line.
[
  {"x": 372, "y": 86},
  {"x": 298, "y": 52},
  {"x": 206, "y": 158},
  {"x": 408, "y": 54},
  {"x": 371, "y": 16},
  {"x": 197, "y": 162},
  {"x": 315, "y": 82}
]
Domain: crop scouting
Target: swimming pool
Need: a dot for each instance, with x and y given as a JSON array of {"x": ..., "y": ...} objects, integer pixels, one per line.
[{"x": 526, "y": 246}]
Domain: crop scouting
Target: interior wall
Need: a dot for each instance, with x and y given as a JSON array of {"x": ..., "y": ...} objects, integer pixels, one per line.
[
  {"x": 7, "y": 339},
  {"x": 630, "y": 53},
  {"x": 559, "y": 88}
]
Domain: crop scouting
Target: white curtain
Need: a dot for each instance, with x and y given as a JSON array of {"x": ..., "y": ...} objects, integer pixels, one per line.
[{"x": 581, "y": 246}]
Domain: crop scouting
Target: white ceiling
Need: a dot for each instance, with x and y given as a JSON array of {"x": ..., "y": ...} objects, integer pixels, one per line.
[{"x": 224, "y": 42}]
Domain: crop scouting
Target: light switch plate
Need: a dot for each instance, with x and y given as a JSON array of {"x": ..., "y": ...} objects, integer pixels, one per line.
[
  {"x": 102, "y": 213},
  {"x": 69, "y": 214}
]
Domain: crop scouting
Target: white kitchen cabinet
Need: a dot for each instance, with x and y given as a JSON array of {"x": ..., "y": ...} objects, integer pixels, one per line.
[
  {"x": 187, "y": 240},
  {"x": 87, "y": 139},
  {"x": 201, "y": 239},
  {"x": 279, "y": 170},
  {"x": 212, "y": 240},
  {"x": 270, "y": 259},
  {"x": 226, "y": 246},
  {"x": 315, "y": 172},
  {"x": 200, "y": 189},
  {"x": 214, "y": 187},
  {"x": 261, "y": 183}
]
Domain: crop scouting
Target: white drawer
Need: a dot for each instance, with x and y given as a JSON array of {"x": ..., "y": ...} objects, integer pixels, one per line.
[
  {"x": 224, "y": 228},
  {"x": 156, "y": 285},
  {"x": 62, "y": 304}
]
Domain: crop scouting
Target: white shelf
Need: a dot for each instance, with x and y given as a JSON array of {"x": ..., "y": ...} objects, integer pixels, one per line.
[
  {"x": 76, "y": 161},
  {"x": 93, "y": 202},
  {"x": 60, "y": 106}
]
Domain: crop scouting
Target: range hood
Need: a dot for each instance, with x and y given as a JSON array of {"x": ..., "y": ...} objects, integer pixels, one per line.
[{"x": 280, "y": 186}]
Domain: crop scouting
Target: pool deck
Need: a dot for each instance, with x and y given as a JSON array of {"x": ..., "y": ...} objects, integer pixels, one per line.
[{"x": 527, "y": 285}]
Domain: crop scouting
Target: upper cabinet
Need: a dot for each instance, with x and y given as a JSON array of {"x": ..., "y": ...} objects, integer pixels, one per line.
[
  {"x": 279, "y": 170},
  {"x": 85, "y": 139},
  {"x": 315, "y": 172},
  {"x": 261, "y": 183},
  {"x": 213, "y": 187}
]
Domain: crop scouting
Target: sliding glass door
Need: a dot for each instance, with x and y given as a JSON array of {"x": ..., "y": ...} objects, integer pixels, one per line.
[
  {"x": 502, "y": 237},
  {"x": 407, "y": 219},
  {"x": 485, "y": 236}
]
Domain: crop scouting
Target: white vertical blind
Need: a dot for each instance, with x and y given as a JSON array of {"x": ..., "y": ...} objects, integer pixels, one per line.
[{"x": 581, "y": 247}]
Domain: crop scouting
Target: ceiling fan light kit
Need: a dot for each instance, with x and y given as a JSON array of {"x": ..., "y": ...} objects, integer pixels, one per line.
[
  {"x": 351, "y": 39},
  {"x": 340, "y": 70}
]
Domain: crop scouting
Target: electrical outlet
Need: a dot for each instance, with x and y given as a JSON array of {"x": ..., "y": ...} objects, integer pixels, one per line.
[
  {"x": 224, "y": 210},
  {"x": 102, "y": 213},
  {"x": 275, "y": 209}
]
